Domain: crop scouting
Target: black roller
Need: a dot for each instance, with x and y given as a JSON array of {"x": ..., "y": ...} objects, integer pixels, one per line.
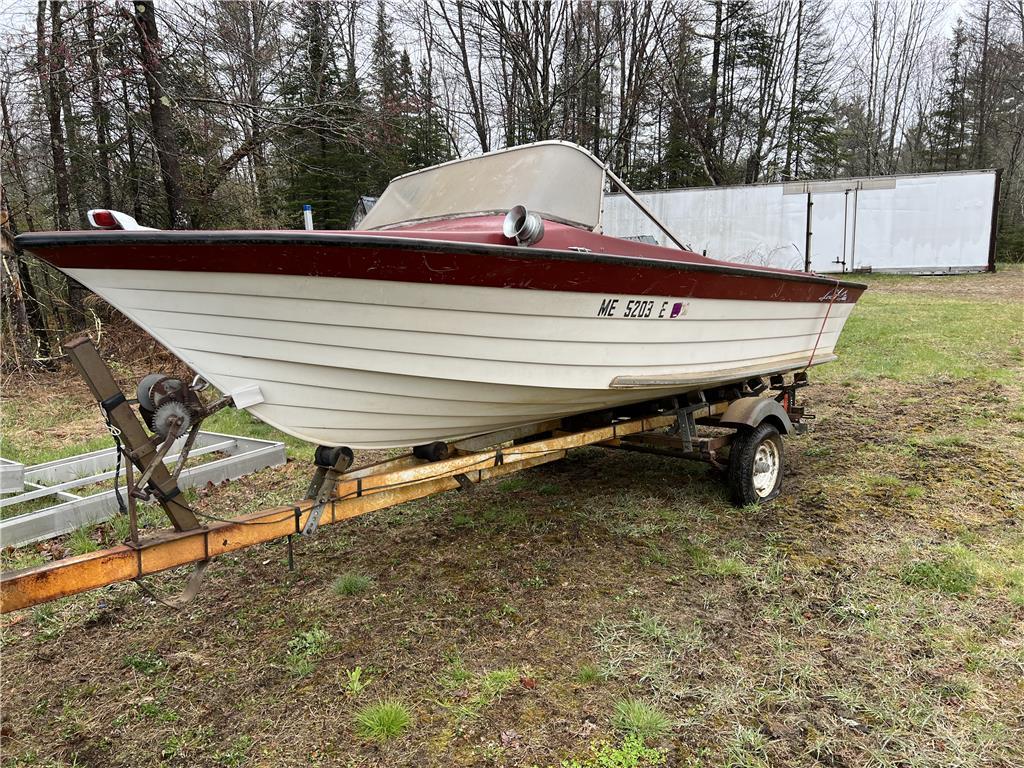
[
  {"x": 328, "y": 457},
  {"x": 431, "y": 451}
]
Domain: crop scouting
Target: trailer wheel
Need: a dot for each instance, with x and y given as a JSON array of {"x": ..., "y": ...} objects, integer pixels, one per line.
[{"x": 755, "y": 465}]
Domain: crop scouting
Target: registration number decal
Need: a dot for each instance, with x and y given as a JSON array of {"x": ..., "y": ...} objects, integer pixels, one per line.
[{"x": 642, "y": 309}]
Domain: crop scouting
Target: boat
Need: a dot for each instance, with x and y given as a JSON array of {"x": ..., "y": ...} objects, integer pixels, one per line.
[{"x": 475, "y": 296}]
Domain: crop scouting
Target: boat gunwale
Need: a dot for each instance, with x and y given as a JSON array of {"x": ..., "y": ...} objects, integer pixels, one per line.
[{"x": 30, "y": 240}]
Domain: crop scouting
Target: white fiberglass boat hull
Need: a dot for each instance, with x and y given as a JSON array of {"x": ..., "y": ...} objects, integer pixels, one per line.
[{"x": 381, "y": 363}]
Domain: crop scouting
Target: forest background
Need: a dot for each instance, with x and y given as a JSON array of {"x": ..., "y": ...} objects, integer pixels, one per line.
[{"x": 235, "y": 114}]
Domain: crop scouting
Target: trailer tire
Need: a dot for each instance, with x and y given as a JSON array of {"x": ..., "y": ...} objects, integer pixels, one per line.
[{"x": 755, "y": 465}]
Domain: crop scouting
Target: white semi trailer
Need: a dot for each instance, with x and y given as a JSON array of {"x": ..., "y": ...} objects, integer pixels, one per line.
[{"x": 928, "y": 223}]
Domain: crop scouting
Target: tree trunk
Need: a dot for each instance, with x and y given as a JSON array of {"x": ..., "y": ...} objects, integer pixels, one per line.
[
  {"x": 47, "y": 80},
  {"x": 27, "y": 334},
  {"x": 59, "y": 52},
  {"x": 476, "y": 101},
  {"x": 16, "y": 168},
  {"x": 100, "y": 116},
  {"x": 259, "y": 156},
  {"x": 791, "y": 137},
  {"x": 133, "y": 155},
  {"x": 164, "y": 138},
  {"x": 712, "y": 114},
  {"x": 980, "y": 153}
]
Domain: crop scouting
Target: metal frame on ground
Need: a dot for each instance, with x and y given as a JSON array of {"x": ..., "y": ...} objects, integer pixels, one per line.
[{"x": 244, "y": 455}]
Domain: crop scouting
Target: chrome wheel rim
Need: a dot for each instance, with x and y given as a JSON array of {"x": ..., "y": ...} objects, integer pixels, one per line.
[{"x": 766, "y": 468}]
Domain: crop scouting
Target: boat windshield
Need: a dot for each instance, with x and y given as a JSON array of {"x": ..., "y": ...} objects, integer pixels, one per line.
[{"x": 558, "y": 180}]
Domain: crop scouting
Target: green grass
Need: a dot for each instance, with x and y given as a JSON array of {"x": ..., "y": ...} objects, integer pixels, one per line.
[
  {"x": 892, "y": 487},
  {"x": 914, "y": 336},
  {"x": 651, "y": 627},
  {"x": 748, "y": 748},
  {"x": 81, "y": 542},
  {"x": 154, "y": 711},
  {"x": 590, "y": 674},
  {"x": 497, "y": 682},
  {"x": 349, "y": 584},
  {"x": 47, "y": 621},
  {"x": 454, "y": 675},
  {"x": 24, "y": 507},
  {"x": 12, "y": 559},
  {"x": 235, "y": 422},
  {"x": 120, "y": 527},
  {"x": 147, "y": 664},
  {"x": 36, "y": 452},
  {"x": 644, "y": 721},
  {"x": 471, "y": 694},
  {"x": 513, "y": 484},
  {"x": 952, "y": 574},
  {"x": 724, "y": 567},
  {"x": 994, "y": 569},
  {"x": 235, "y": 755},
  {"x": 382, "y": 721},
  {"x": 305, "y": 649},
  {"x": 631, "y": 753}
]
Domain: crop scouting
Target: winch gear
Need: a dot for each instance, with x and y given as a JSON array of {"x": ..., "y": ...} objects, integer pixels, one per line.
[{"x": 172, "y": 418}]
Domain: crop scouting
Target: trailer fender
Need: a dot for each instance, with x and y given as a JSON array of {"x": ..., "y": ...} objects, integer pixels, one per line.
[{"x": 751, "y": 411}]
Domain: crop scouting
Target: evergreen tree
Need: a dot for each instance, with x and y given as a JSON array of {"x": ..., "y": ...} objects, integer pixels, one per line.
[
  {"x": 391, "y": 80},
  {"x": 950, "y": 142},
  {"x": 682, "y": 166},
  {"x": 813, "y": 148},
  {"x": 820, "y": 153},
  {"x": 326, "y": 159},
  {"x": 384, "y": 61},
  {"x": 428, "y": 143}
]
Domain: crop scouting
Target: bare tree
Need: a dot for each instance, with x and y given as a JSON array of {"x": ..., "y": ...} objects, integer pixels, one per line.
[
  {"x": 164, "y": 138},
  {"x": 47, "y": 66}
]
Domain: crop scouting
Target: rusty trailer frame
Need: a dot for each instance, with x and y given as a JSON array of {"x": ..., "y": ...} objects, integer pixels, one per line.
[{"x": 376, "y": 486}]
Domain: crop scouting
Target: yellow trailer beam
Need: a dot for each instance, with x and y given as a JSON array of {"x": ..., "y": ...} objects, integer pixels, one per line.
[{"x": 360, "y": 491}]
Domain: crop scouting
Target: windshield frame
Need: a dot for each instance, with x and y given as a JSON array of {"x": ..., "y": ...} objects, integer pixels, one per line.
[
  {"x": 369, "y": 223},
  {"x": 607, "y": 178}
]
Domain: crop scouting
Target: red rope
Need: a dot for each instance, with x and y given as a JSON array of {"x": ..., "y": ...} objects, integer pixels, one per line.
[{"x": 832, "y": 300}]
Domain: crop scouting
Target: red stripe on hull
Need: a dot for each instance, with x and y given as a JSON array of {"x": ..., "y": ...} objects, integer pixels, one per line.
[{"x": 418, "y": 256}]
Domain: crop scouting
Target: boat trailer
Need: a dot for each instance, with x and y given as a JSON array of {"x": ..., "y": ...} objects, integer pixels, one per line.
[{"x": 744, "y": 442}]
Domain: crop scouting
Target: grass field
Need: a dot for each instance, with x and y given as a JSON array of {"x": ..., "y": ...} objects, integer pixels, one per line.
[{"x": 607, "y": 610}]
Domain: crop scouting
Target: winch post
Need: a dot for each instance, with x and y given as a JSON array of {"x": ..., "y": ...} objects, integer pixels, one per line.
[{"x": 139, "y": 448}]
